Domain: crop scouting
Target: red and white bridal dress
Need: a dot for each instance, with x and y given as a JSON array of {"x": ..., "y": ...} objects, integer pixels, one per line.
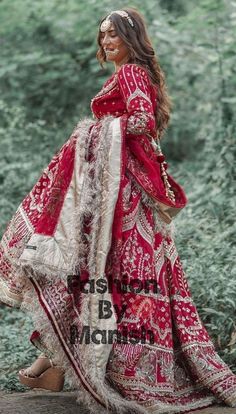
[{"x": 89, "y": 256}]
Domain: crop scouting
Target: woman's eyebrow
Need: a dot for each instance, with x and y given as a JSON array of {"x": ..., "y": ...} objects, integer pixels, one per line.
[{"x": 108, "y": 31}]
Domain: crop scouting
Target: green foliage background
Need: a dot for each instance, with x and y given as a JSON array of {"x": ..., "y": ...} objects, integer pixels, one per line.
[{"x": 49, "y": 73}]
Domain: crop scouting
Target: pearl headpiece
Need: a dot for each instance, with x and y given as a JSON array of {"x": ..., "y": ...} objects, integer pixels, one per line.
[{"x": 107, "y": 22}]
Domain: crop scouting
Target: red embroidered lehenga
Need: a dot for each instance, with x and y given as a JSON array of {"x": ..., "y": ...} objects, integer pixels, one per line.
[{"x": 91, "y": 222}]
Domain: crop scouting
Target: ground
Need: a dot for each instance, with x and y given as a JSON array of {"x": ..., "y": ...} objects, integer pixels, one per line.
[{"x": 46, "y": 402}]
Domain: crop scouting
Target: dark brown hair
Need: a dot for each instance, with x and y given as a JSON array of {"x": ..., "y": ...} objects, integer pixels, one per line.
[{"x": 142, "y": 53}]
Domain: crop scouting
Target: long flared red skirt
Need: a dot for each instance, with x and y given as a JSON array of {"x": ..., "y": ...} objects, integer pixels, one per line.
[
  {"x": 165, "y": 358},
  {"x": 162, "y": 360}
]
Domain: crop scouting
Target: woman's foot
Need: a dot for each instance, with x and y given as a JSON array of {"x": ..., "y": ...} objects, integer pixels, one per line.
[
  {"x": 41, "y": 364},
  {"x": 42, "y": 374}
]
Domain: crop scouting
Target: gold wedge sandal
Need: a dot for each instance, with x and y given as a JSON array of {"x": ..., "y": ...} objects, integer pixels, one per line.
[{"x": 52, "y": 378}]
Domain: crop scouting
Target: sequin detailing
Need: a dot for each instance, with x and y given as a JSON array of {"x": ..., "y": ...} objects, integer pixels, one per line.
[{"x": 135, "y": 88}]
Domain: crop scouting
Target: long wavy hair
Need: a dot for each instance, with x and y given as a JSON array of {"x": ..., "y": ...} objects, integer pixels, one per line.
[{"x": 142, "y": 53}]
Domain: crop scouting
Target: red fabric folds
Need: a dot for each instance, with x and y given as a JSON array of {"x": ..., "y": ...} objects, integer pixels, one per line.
[{"x": 162, "y": 357}]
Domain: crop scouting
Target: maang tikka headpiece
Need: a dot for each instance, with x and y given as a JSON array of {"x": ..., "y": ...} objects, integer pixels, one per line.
[{"x": 107, "y": 22}]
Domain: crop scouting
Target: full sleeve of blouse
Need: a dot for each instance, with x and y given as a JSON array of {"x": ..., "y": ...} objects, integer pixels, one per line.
[{"x": 135, "y": 89}]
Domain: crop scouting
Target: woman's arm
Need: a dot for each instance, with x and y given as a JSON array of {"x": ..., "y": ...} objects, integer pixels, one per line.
[{"x": 136, "y": 91}]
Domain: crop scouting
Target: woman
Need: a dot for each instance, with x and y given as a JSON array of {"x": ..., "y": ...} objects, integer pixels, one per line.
[{"x": 90, "y": 253}]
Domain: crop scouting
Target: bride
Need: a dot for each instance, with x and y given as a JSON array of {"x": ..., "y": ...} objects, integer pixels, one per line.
[{"x": 90, "y": 253}]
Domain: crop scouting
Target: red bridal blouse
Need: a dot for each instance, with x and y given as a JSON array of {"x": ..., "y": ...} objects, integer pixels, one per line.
[
  {"x": 129, "y": 91},
  {"x": 129, "y": 94}
]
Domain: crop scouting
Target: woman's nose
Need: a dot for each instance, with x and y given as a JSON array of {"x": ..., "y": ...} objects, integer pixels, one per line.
[{"x": 105, "y": 40}]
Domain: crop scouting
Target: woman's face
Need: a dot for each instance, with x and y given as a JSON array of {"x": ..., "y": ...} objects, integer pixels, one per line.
[{"x": 114, "y": 47}]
